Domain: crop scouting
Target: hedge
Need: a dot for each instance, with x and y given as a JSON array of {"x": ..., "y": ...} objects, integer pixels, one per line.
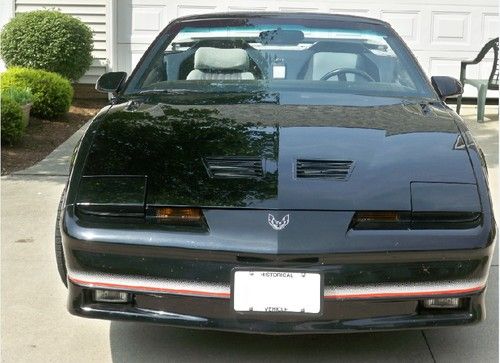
[
  {"x": 12, "y": 121},
  {"x": 52, "y": 93},
  {"x": 49, "y": 40}
]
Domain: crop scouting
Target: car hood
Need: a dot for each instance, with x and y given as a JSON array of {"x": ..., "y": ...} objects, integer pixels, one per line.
[{"x": 261, "y": 156}]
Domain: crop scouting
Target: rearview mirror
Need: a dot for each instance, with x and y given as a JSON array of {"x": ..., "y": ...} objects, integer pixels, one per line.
[
  {"x": 281, "y": 37},
  {"x": 446, "y": 86},
  {"x": 110, "y": 82}
]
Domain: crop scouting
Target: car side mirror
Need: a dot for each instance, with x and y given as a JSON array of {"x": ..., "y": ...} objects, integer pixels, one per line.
[
  {"x": 446, "y": 86},
  {"x": 110, "y": 82}
]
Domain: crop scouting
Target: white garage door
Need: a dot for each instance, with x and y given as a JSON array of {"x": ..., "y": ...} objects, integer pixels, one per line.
[{"x": 441, "y": 33}]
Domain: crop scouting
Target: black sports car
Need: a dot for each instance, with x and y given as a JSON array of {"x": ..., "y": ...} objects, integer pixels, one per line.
[{"x": 277, "y": 173}]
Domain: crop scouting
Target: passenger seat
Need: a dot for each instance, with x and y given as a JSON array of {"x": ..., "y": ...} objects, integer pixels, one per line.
[{"x": 220, "y": 64}]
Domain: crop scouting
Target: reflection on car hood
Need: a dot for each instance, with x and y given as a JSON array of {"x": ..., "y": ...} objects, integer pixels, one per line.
[{"x": 181, "y": 148}]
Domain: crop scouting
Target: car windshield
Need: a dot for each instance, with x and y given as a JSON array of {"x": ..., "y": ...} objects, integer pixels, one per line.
[{"x": 276, "y": 55}]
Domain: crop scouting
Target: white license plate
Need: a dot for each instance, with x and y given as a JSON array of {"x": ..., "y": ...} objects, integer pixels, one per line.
[{"x": 277, "y": 292}]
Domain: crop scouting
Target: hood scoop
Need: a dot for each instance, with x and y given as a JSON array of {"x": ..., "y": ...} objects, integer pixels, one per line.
[
  {"x": 334, "y": 169},
  {"x": 230, "y": 167}
]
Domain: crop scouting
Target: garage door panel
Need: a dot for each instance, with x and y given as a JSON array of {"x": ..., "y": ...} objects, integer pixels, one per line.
[
  {"x": 147, "y": 19},
  {"x": 140, "y": 23},
  {"x": 406, "y": 23},
  {"x": 451, "y": 28},
  {"x": 490, "y": 26}
]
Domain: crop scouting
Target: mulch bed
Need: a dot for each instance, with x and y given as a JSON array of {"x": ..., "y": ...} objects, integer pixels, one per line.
[{"x": 43, "y": 136}]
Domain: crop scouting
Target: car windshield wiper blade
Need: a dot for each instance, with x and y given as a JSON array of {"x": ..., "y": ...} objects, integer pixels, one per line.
[
  {"x": 420, "y": 100},
  {"x": 172, "y": 91}
]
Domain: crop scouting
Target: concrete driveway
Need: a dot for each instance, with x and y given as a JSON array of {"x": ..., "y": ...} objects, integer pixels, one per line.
[{"x": 36, "y": 327}]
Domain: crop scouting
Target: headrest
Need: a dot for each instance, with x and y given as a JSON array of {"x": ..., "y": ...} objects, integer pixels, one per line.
[{"x": 207, "y": 58}]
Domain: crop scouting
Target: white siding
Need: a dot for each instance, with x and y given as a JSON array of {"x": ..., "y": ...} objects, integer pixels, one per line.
[
  {"x": 441, "y": 33},
  {"x": 6, "y": 12},
  {"x": 91, "y": 12}
]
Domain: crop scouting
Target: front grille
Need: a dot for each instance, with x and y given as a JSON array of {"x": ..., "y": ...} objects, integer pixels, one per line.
[
  {"x": 234, "y": 167},
  {"x": 335, "y": 169}
]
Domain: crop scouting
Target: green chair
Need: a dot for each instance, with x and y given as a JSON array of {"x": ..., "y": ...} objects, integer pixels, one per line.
[{"x": 482, "y": 85}]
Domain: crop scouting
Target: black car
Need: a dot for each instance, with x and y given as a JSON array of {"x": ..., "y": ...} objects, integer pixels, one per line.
[{"x": 277, "y": 173}]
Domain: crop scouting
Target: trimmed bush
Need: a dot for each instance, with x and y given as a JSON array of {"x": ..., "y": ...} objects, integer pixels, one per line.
[
  {"x": 49, "y": 40},
  {"x": 52, "y": 93},
  {"x": 12, "y": 121}
]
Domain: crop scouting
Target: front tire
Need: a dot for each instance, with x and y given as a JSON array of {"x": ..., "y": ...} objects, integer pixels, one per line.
[{"x": 61, "y": 264}]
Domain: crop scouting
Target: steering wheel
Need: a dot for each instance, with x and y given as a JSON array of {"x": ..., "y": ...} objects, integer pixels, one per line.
[{"x": 341, "y": 72}]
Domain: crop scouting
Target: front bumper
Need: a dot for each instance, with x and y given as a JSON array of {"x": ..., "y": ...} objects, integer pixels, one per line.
[
  {"x": 191, "y": 288},
  {"x": 217, "y": 314}
]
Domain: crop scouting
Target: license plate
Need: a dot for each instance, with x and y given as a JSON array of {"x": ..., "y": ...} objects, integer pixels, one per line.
[{"x": 277, "y": 292}]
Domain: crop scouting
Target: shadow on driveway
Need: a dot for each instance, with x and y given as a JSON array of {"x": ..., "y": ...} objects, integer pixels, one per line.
[{"x": 132, "y": 342}]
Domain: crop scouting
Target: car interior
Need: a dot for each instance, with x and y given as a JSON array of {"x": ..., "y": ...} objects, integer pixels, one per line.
[{"x": 278, "y": 55}]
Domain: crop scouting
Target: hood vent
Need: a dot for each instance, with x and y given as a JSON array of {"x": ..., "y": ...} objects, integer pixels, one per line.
[
  {"x": 234, "y": 167},
  {"x": 335, "y": 169}
]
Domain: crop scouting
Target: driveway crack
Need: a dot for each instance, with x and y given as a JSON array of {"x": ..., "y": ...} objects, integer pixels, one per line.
[{"x": 428, "y": 346}]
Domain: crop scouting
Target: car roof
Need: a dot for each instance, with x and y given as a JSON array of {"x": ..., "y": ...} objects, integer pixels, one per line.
[{"x": 284, "y": 15}]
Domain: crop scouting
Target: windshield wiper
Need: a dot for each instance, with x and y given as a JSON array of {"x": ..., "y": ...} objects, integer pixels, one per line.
[
  {"x": 423, "y": 102},
  {"x": 420, "y": 100},
  {"x": 171, "y": 91}
]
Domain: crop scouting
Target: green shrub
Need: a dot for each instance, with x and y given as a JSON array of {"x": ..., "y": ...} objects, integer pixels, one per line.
[
  {"x": 49, "y": 40},
  {"x": 22, "y": 96},
  {"x": 12, "y": 120},
  {"x": 52, "y": 93}
]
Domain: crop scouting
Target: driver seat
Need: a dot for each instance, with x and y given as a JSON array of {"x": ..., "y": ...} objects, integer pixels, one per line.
[{"x": 220, "y": 64}]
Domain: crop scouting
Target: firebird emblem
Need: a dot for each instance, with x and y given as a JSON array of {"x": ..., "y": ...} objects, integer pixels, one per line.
[{"x": 278, "y": 225}]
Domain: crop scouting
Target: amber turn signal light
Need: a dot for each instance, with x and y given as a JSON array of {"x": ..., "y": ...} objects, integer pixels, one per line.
[
  {"x": 178, "y": 215},
  {"x": 377, "y": 216},
  {"x": 415, "y": 220},
  {"x": 380, "y": 220}
]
